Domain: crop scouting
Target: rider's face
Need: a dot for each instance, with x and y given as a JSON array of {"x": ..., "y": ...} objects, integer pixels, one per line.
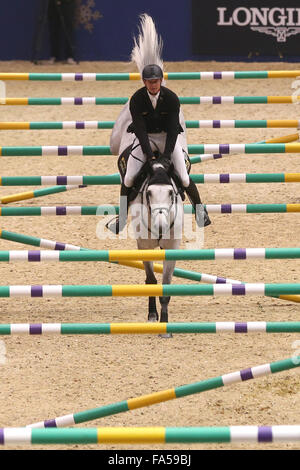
[{"x": 153, "y": 86}]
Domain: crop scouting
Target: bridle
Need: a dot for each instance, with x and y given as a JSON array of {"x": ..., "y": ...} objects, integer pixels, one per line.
[{"x": 174, "y": 199}]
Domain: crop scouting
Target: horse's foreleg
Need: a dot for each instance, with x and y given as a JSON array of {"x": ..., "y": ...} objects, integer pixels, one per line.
[
  {"x": 164, "y": 301},
  {"x": 151, "y": 279},
  {"x": 167, "y": 278}
]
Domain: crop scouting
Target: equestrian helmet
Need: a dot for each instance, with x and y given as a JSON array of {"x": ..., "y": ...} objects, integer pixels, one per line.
[{"x": 152, "y": 72}]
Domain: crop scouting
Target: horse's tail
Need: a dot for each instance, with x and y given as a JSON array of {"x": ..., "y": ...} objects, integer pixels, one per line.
[{"x": 148, "y": 46}]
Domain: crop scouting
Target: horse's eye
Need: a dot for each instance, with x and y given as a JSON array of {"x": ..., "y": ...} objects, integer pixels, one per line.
[
  {"x": 170, "y": 192},
  {"x": 148, "y": 193}
]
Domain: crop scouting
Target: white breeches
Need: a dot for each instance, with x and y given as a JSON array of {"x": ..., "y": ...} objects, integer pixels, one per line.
[{"x": 157, "y": 141}]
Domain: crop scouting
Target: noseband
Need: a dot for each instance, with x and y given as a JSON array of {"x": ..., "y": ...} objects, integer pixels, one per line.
[{"x": 174, "y": 199}]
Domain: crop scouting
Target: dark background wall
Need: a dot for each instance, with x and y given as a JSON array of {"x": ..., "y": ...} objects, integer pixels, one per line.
[
  {"x": 105, "y": 29},
  {"x": 107, "y": 35}
]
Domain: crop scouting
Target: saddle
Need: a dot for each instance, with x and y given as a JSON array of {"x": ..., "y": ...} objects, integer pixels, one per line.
[{"x": 146, "y": 171}]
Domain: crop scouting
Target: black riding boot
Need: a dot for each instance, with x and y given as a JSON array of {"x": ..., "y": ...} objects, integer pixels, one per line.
[
  {"x": 201, "y": 214},
  {"x": 117, "y": 224}
]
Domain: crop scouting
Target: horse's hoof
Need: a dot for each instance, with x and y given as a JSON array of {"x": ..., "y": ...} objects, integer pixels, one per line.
[
  {"x": 166, "y": 335},
  {"x": 153, "y": 317}
]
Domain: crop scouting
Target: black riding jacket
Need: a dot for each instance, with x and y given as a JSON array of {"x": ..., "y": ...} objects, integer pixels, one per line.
[{"x": 147, "y": 120}]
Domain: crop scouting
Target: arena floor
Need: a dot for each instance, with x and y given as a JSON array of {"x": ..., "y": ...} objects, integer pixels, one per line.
[{"x": 49, "y": 376}]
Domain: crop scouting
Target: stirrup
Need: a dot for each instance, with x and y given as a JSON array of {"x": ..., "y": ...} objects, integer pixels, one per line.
[
  {"x": 114, "y": 225},
  {"x": 202, "y": 218}
]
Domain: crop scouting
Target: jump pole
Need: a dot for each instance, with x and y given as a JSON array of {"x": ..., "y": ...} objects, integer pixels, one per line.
[
  {"x": 235, "y": 254},
  {"x": 245, "y": 148},
  {"x": 155, "y": 290},
  {"x": 79, "y": 150},
  {"x": 80, "y": 77},
  {"x": 59, "y": 180},
  {"x": 35, "y": 241},
  {"x": 38, "y": 193},
  {"x": 191, "y": 124},
  {"x": 242, "y": 124},
  {"x": 151, "y": 435},
  {"x": 37, "y": 329},
  {"x": 113, "y": 210},
  {"x": 114, "y": 179},
  {"x": 225, "y": 178},
  {"x": 170, "y": 394},
  {"x": 284, "y": 139},
  {"x": 94, "y": 100}
]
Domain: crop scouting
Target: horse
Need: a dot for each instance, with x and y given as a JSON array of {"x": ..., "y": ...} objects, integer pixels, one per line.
[
  {"x": 157, "y": 207},
  {"x": 157, "y": 221}
]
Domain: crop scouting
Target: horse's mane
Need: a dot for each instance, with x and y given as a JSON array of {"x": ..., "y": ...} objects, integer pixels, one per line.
[
  {"x": 148, "y": 46},
  {"x": 159, "y": 176}
]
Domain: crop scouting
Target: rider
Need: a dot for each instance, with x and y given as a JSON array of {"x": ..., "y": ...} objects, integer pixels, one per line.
[{"x": 155, "y": 122}]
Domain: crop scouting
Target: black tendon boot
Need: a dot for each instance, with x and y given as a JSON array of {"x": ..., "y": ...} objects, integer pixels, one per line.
[
  {"x": 201, "y": 214},
  {"x": 117, "y": 224}
]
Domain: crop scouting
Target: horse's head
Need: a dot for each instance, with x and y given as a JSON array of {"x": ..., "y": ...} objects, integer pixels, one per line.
[{"x": 161, "y": 200}]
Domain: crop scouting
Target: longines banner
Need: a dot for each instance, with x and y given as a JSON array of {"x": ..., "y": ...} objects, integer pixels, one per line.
[{"x": 246, "y": 28}]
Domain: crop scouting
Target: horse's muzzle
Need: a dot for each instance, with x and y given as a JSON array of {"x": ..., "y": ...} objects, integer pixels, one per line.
[{"x": 160, "y": 222}]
